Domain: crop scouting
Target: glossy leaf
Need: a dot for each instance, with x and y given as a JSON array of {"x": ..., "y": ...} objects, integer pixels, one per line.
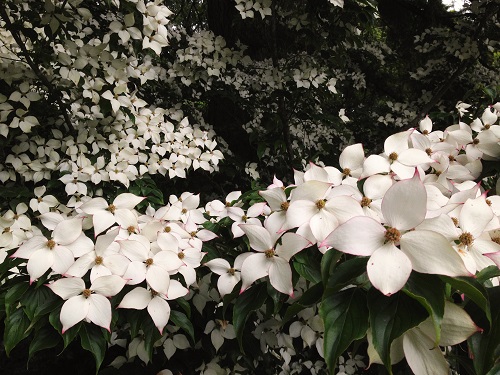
[
  {"x": 16, "y": 329},
  {"x": 309, "y": 298},
  {"x": 390, "y": 317},
  {"x": 328, "y": 263},
  {"x": 487, "y": 273},
  {"x": 485, "y": 346},
  {"x": 182, "y": 321},
  {"x": 307, "y": 266},
  {"x": 92, "y": 339},
  {"x": 429, "y": 291},
  {"x": 45, "y": 338},
  {"x": 345, "y": 315},
  {"x": 345, "y": 274},
  {"x": 248, "y": 301},
  {"x": 473, "y": 290}
]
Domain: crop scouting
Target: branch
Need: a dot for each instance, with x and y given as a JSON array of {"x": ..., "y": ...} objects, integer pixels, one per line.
[
  {"x": 281, "y": 98},
  {"x": 24, "y": 52}
]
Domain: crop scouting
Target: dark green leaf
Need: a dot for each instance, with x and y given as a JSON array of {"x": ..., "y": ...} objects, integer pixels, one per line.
[
  {"x": 44, "y": 338},
  {"x": 181, "y": 320},
  {"x": 310, "y": 297},
  {"x": 485, "y": 346},
  {"x": 150, "y": 336},
  {"x": 16, "y": 329},
  {"x": 429, "y": 290},
  {"x": 390, "y": 317},
  {"x": 13, "y": 296},
  {"x": 345, "y": 316},
  {"x": 487, "y": 273},
  {"x": 307, "y": 266},
  {"x": 249, "y": 301},
  {"x": 33, "y": 299},
  {"x": 70, "y": 334},
  {"x": 345, "y": 273},
  {"x": 93, "y": 340},
  {"x": 473, "y": 290},
  {"x": 328, "y": 263}
]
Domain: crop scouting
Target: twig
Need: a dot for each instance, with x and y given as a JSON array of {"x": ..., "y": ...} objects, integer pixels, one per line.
[{"x": 53, "y": 90}]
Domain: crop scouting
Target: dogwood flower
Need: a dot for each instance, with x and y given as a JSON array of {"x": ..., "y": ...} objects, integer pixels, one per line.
[
  {"x": 120, "y": 211},
  {"x": 389, "y": 266},
  {"x": 90, "y": 304},
  {"x": 272, "y": 259},
  {"x": 158, "y": 308},
  {"x": 56, "y": 252}
]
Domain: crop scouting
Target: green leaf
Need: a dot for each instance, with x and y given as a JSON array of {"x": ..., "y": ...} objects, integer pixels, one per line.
[
  {"x": 181, "y": 320},
  {"x": 390, "y": 317},
  {"x": 309, "y": 298},
  {"x": 307, "y": 266},
  {"x": 70, "y": 334},
  {"x": 44, "y": 338},
  {"x": 328, "y": 263},
  {"x": 16, "y": 329},
  {"x": 487, "y": 273},
  {"x": 92, "y": 339},
  {"x": 13, "y": 296},
  {"x": 429, "y": 290},
  {"x": 150, "y": 336},
  {"x": 345, "y": 274},
  {"x": 485, "y": 347},
  {"x": 345, "y": 316},
  {"x": 35, "y": 299},
  {"x": 472, "y": 289},
  {"x": 185, "y": 306},
  {"x": 248, "y": 301}
]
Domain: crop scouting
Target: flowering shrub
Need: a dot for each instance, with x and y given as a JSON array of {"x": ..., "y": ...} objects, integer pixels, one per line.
[
  {"x": 302, "y": 270},
  {"x": 387, "y": 259}
]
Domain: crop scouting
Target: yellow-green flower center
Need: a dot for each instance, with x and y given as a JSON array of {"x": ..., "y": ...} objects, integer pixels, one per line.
[
  {"x": 392, "y": 235},
  {"x": 269, "y": 253},
  {"x": 466, "y": 239}
]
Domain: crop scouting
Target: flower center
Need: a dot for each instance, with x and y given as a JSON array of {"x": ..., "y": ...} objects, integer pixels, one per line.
[
  {"x": 6, "y": 230},
  {"x": 392, "y": 235},
  {"x": 181, "y": 255},
  {"x": 320, "y": 204},
  {"x": 475, "y": 141},
  {"x": 496, "y": 240},
  {"x": 425, "y": 132},
  {"x": 183, "y": 211},
  {"x": 231, "y": 271},
  {"x": 455, "y": 221},
  {"x": 154, "y": 293},
  {"x": 284, "y": 206},
  {"x": 466, "y": 239},
  {"x": 98, "y": 260},
  {"x": 451, "y": 158},
  {"x": 269, "y": 253},
  {"x": 365, "y": 202},
  {"x": 131, "y": 229},
  {"x": 488, "y": 202},
  {"x": 487, "y": 126},
  {"x": 428, "y": 151},
  {"x": 149, "y": 262},
  {"x": 87, "y": 293},
  {"x": 193, "y": 234},
  {"x": 244, "y": 218},
  {"x": 51, "y": 244},
  {"x": 393, "y": 156},
  {"x": 346, "y": 172},
  {"x": 167, "y": 229},
  {"x": 111, "y": 208}
]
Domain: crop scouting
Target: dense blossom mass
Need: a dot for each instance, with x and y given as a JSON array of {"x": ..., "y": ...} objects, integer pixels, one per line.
[{"x": 98, "y": 99}]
